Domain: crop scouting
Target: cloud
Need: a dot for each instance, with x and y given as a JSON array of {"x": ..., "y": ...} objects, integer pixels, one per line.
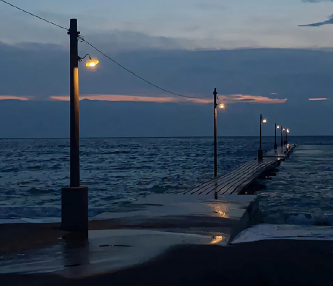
[
  {"x": 232, "y": 98},
  {"x": 134, "y": 98},
  {"x": 318, "y": 24},
  {"x": 316, "y": 1},
  {"x": 318, "y": 99},
  {"x": 13, "y": 97}
]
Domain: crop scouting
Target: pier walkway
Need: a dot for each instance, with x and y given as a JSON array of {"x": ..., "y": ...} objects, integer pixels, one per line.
[{"x": 236, "y": 181}]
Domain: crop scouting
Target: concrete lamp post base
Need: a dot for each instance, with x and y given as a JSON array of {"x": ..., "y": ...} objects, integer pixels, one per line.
[
  {"x": 260, "y": 155},
  {"x": 74, "y": 209}
]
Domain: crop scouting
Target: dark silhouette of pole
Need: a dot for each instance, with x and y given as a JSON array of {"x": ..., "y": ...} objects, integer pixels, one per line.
[
  {"x": 281, "y": 139},
  {"x": 74, "y": 106},
  {"x": 215, "y": 133},
  {"x": 275, "y": 145},
  {"x": 287, "y": 137},
  {"x": 260, "y": 153},
  {"x": 260, "y": 130},
  {"x": 74, "y": 199}
]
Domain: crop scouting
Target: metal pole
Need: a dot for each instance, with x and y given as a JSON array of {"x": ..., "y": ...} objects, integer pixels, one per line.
[
  {"x": 281, "y": 138},
  {"x": 286, "y": 137},
  {"x": 215, "y": 134},
  {"x": 275, "y": 145},
  {"x": 74, "y": 106},
  {"x": 260, "y": 130},
  {"x": 74, "y": 199},
  {"x": 260, "y": 152}
]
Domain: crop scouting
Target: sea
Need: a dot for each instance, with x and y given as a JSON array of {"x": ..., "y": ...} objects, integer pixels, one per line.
[{"x": 119, "y": 171}]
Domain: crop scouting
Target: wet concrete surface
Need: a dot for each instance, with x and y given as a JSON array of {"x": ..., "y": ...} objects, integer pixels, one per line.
[
  {"x": 121, "y": 240},
  {"x": 273, "y": 263}
]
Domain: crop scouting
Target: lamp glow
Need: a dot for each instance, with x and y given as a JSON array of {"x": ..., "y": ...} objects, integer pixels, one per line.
[
  {"x": 222, "y": 106},
  {"x": 278, "y": 127},
  {"x": 288, "y": 130},
  {"x": 92, "y": 63},
  {"x": 264, "y": 120}
]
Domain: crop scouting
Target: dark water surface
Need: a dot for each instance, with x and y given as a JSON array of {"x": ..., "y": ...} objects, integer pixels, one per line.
[{"x": 119, "y": 171}]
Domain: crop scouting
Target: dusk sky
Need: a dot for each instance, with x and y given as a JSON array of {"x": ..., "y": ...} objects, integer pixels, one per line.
[{"x": 263, "y": 56}]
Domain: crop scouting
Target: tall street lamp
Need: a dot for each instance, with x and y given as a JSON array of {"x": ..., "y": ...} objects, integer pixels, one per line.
[
  {"x": 288, "y": 131},
  {"x": 275, "y": 144},
  {"x": 281, "y": 138},
  {"x": 260, "y": 152},
  {"x": 221, "y": 106},
  {"x": 74, "y": 199},
  {"x": 283, "y": 141}
]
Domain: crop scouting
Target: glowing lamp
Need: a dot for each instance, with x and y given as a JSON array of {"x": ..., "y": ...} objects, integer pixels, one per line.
[
  {"x": 278, "y": 127},
  {"x": 221, "y": 106},
  {"x": 92, "y": 63},
  {"x": 288, "y": 130},
  {"x": 264, "y": 120}
]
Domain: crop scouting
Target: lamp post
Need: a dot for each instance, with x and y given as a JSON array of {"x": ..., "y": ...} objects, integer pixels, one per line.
[
  {"x": 283, "y": 141},
  {"x": 281, "y": 138},
  {"x": 287, "y": 131},
  {"x": 275, "y": 144},
  {"x": 215, "y": 135},
  {"x": 74, "y": 199},
  {"x": 221, "y": 106},
  {"x": 260, "y": 152}
]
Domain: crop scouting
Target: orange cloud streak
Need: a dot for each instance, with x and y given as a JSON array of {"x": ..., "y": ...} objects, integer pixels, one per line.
[
  {"x": 317, "y": 99},
  {"x": 233, "y": 98},
  {"x": 6, "y": 97},
  {"x": 108, "y": 97}
]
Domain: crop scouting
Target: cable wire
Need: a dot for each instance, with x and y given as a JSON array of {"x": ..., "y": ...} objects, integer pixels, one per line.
[
  {"x": 33, "y": 15},
  {"x": 133, "y": 73}
]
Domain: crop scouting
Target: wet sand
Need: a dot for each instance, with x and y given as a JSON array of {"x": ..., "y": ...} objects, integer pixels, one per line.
[{"x": 271, "y": 262}]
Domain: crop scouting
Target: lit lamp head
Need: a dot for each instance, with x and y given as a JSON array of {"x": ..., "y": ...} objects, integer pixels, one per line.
[
  {"x": 92, "y": 63},
  {"x": 221, "y": 106},
  {"x": 278, "y": 127},
  {"x": 264, "y": 120},
  {"x": 283, "y": 129},
  {"x": 288, "y": 131}
]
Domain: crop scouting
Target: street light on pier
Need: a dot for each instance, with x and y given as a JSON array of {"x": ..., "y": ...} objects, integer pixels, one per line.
[
  {"x": 287, "y": 131},
  {"x": 74, "y": 199},
  {"x": 220, "y": 106},
  {"x": 275, "y": 144},
  {"x": 282, "y": 138},
  {"x": 260, "y": 152}
]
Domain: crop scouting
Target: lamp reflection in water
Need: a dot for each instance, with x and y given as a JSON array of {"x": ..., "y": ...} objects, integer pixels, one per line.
[
  {"x": 216, "y": 239},
  {"x": 220, "y": 209}
]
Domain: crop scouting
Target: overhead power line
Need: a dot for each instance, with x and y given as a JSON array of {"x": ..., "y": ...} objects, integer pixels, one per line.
[
  {"x": 133, "y": 73},
  {"x": 31, "y": 14},
  {"x": 98, "y": 50}
]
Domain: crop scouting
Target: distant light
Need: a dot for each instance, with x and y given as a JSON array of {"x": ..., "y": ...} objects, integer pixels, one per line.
[
  {"x": 288, "y": 130},
  {"x": 278, "y": 127},
  {"x": 283, "y": 129},
  {"x": 318, "y": 99},
  {"x": 264, "y": 120},
  {"x": 92, "y": 63},
  {"x": 221, "y": 106}
]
